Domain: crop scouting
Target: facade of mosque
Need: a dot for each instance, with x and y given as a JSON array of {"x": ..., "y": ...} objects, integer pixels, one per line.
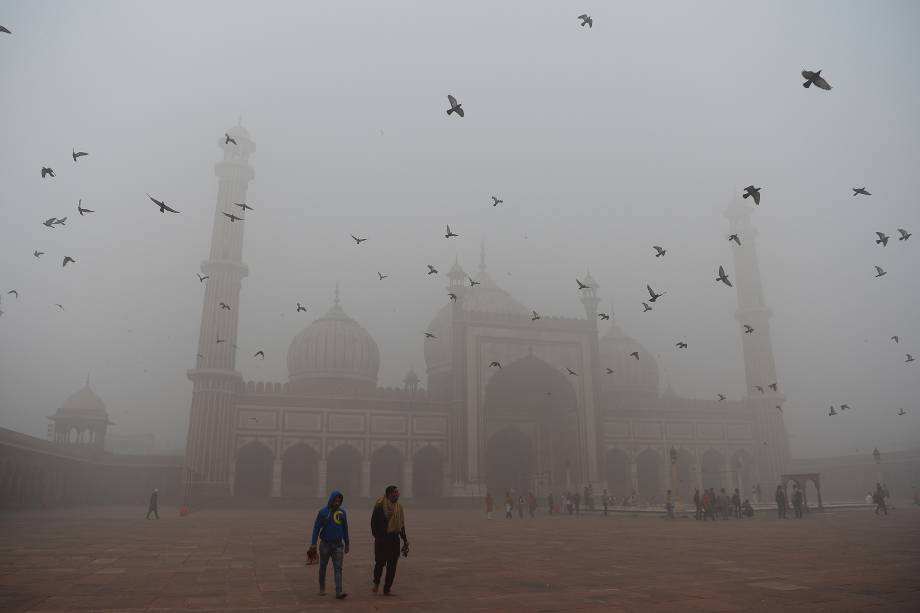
[{"x": 551, "y": 418}]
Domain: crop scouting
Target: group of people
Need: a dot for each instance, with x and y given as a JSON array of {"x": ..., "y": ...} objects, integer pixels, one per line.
[
  {"x": 782, "y": 501},
  {"x": 568, "y": 503},
  {"x": 330, "y": 533},
  {"x": 713, "y": 505}
]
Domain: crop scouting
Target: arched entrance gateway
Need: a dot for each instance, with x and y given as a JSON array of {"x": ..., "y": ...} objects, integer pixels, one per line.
[
  {"x": 427, "y": 473},
  {"x": 254, "y": 464},
  {"x": 531, "y": 429},
  {"x": 386, "y": 469},
  {"x": 343, "y": 470},
  {"x": 299, "y": 472}
]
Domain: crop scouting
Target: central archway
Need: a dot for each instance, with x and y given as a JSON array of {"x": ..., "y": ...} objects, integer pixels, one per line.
[
  {"x": 386, "y": 469},
  {"x": 531, "y": 423},
  {"x": 343, "y": 471},
  {"x": 254, "y": 464},
  {"x": 299, "y": 472}
]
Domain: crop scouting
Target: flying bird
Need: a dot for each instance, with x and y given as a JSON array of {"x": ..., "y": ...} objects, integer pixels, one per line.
[
  {"x": 46, "y": 171},
  {"x": 721, "y": 397},
  {"x": 534, "y": 316},
  {"x": 228, "y": 139},
  {"x": 635, "y": 354},
  {"x": 431, "y": 269},
  {"x": 233, "y": 218},
  {"x": 904, "y": 234},
  {"x": 844, "y": 407},
  {"x": 814, "y": 78},
  {"x": 259, "y": 353},
  {"x": 752, "y": 191},
  {"x": 67, "y": 258},
  {"x": 895, "y": 338},
  {"x": 430, "y": 335},
  {"x": 60, "y": 222},
  {"x": 582, "y": 285},
  {"x": 734, "y": 237},
  {"x": 609, "y": 371},
  {"x": 780, "y": 408},
  {"x": 449, "y": 233},
  {"x": 495, "y": 365},
  {"x": 162, "y": 205},
  {"x": 910, "y": 358},
  {"x": 660, "y": 251},
  {"x": 455, "y": 107},
  {"x": 358, "y": 241},
  {"x": 748, "y": 329},
  {"x": 879, "y": 272},
  {"x": 832, "y": 411},
  {"x": 301, "y": 308},
  {"x": 861, "y": 191},
  {"x": 586, "y": 20},
  {"x": 723, "y": 277},
  {"x": 496, "y": 201},
  {"x": 759, "y": 389},
  {"x": 81, "y": 210},
  {"x": 654, "y": 296},
  {"x": 604, "y": 316},
  {"x": 49, "y": 223},
  {"x": 14, "y": 292},
  {"x": 773, "y": 387},
  {"x": 571, "y": 372},
  {"x": 38, "y": 254},
  {"x": 60, "y": 306},
  {"x": 77, "y": 154},
  {"x": 224, "y": 306},
  {"x": 902, "y": 411},
  {"x": 882, "y": 239},
  {"x": 452, "y": 296},
  {"x": 382, "y": 276},
  {"x": 681, "y": 345},
  {"x": 4, "y": 30},
  {"x": 243, "y": 206},
  {"x": 202, "y": 277},
  {"x": 472, "y": 283},
  {"x": 645, "y": 307},
  {"x": 221, "y": 340}
]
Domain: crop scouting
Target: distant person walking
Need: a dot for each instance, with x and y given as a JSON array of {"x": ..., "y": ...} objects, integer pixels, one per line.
[
  {"x": 879, "y": 499},
  {"x": 780, "y": 498},
  {"x": 509, "y": 506},
  {"x": 153, "y": 504},
  {"x": 576, "y": 497},
  {"x": 736, "y": 503},
  {"x": 698, "y": 503},
  {"x": 388, "y": 525},
  {"x": 605, "y": 499},
  {"x": 550, "y": 503},
  {"x": 531, "y": 504},
  {"x": 669, "y": 505},
  {"x": 489, "y": 504},
  {"x": 797, "y": 501},
  {"x": 330, "y": 528},
  {"x": 520, "y": 503}
]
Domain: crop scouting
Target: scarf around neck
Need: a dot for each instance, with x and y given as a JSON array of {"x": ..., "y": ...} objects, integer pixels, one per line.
[{"x": 396, "y": 518}]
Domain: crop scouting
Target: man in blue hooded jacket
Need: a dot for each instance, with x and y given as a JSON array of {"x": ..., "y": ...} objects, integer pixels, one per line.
[{"x": 331, "y": 529}]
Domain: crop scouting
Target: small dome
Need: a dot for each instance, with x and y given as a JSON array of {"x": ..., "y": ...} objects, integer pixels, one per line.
[
  {"x": 83, "y": 403},
  {"x": 630, "y": 376},
  {"x": 334, "y": 348},
  {"x": 411, "y": 379}
]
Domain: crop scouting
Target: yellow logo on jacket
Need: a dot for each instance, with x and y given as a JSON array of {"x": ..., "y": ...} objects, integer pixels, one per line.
[{"x": 337, "y": 517}]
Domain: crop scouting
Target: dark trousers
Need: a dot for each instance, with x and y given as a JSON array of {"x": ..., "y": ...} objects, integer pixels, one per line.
[
  {"x": 154, "y": 511},
  {"x": 386, "y": 554},
  {"x": 781, "y": 509},
  {"x": 699, "y": 511}
]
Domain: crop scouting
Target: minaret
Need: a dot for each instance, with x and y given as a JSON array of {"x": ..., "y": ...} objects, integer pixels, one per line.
[
  {"x": 592, "y": 427},
  {"x": 215, "y": 380},
  {"x": 759, "y": 364}
]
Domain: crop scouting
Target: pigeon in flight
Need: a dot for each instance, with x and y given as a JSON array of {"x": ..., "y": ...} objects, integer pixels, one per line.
[
  {"x": 46, "y": 171},
  {"x": 81, "y": 210},
  {"x": 759, "y": 389},
  {"x": 904, "y": 234},
  {"x": 228, "y": 139},
  {"x": 495, "y": 365},
  {"x": 221, "y": 340},
  {"x": 910, "y": 358},
  {"x": 14, "y": 292},
  {"x": 748, "y": 329},
  {"x": 60, "y": 306},
  {"x": 814, "y": 78},
  {"x": 660, "y": 251},
  {"x": 452, "y": 296},
  {"x": 449, "y": 233},
  {"x": 832, "y": 411},
  {"x": 67, "y": 258},
  {"x": 472, "y": 283},
  {"x": 431, "y": 269},
  {"x": 902, "y": 411},
  {"x": 38, "y": 253},
  {"x": 635, "y": 354},
  {"x": 60, "y": 222},
  {"x": 654, "y": 296},
  {"x": 243, "y": 206},
  {"x": 534, "y": 316},
  {"x": 844, "y": 407},
  {"x": 4, "y": 30},
  {"x": 895, "y": 338},
  {"x": 752, "y": 191},
  {"x": 721, "y": 397},
  {"x": 301, "y": 308},
  {"x": 49, "y": 223},
  {"x": 162, "y": 205},
  {"x": 571, "y": 372},
  {"x": 723, "y": 277},
  {"x": 879, "y": 272},
  {"x": 381, "y": 276},
  {"x": 224, "y": 306},
  {"x": 430, "y": 335},
  {"x": 358, "y": 241},
  {"x": 645, "y": 307},
  {"x": 773, "y": 387},
  {"x": 861, "y": 191},
  {"x": 202, "y": 277},
  {"x": 582, "y": 285},
  {"x": 259, "y": 353},
  {"x": 77, "y": 154},
  {"x": 586, "y": 20},
  {"x": 496, "y": 201},
  {"x": 455, "y": 107},
  {"x": 609, "y": 370},
  {"x": 734, "y": 237},
  {"x": 604, "y": 316},
  {"x": 681, "y": 345},
  {"x": 882, "y": 239},
  {"x": 233, "y": 218}
]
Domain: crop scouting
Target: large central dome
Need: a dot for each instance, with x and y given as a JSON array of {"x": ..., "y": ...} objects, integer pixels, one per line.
[{"x": 334, "y": 354}]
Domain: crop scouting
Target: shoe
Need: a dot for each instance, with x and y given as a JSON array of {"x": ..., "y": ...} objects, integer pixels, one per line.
[
  {"x": 387, "y": 593},
  {"x": 375, "y": 588},
  {"x": 341, "y": 595},
  {"x": 322, "y": 591}
]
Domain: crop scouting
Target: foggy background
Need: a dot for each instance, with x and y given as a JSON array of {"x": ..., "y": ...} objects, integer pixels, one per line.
[{"x": 601, "y": 142}]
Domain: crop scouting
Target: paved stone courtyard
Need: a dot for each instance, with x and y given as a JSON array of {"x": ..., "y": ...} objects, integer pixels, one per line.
[{"x": 114, "y": 560}]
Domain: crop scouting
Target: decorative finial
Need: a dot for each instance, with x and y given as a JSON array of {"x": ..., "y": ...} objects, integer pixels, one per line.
[
  {"x": 482, "y": 256},
  {"x": 336, "y": 293}
]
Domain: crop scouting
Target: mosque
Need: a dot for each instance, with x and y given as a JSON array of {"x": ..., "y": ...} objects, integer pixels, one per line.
[{"x": 551, "y": 419}]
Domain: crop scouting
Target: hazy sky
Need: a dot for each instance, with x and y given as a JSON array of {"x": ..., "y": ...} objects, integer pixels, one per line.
[{"x": 601, "y": 142}]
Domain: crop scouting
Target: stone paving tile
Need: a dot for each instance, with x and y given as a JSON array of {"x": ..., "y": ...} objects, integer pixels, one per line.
[{"x": 111, "y": 560}]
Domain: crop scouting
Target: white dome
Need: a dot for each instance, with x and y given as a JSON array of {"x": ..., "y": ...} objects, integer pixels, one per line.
[{"x": 83, "y": 403}]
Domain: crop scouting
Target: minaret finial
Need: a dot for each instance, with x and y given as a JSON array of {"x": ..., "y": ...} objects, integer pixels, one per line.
[
  {"x": 336, "y": 293},
  {"x": 482, "y": 256}
]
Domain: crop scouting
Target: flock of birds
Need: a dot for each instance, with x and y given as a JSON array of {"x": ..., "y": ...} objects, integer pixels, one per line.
[{"x": 456, "y": 109}]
